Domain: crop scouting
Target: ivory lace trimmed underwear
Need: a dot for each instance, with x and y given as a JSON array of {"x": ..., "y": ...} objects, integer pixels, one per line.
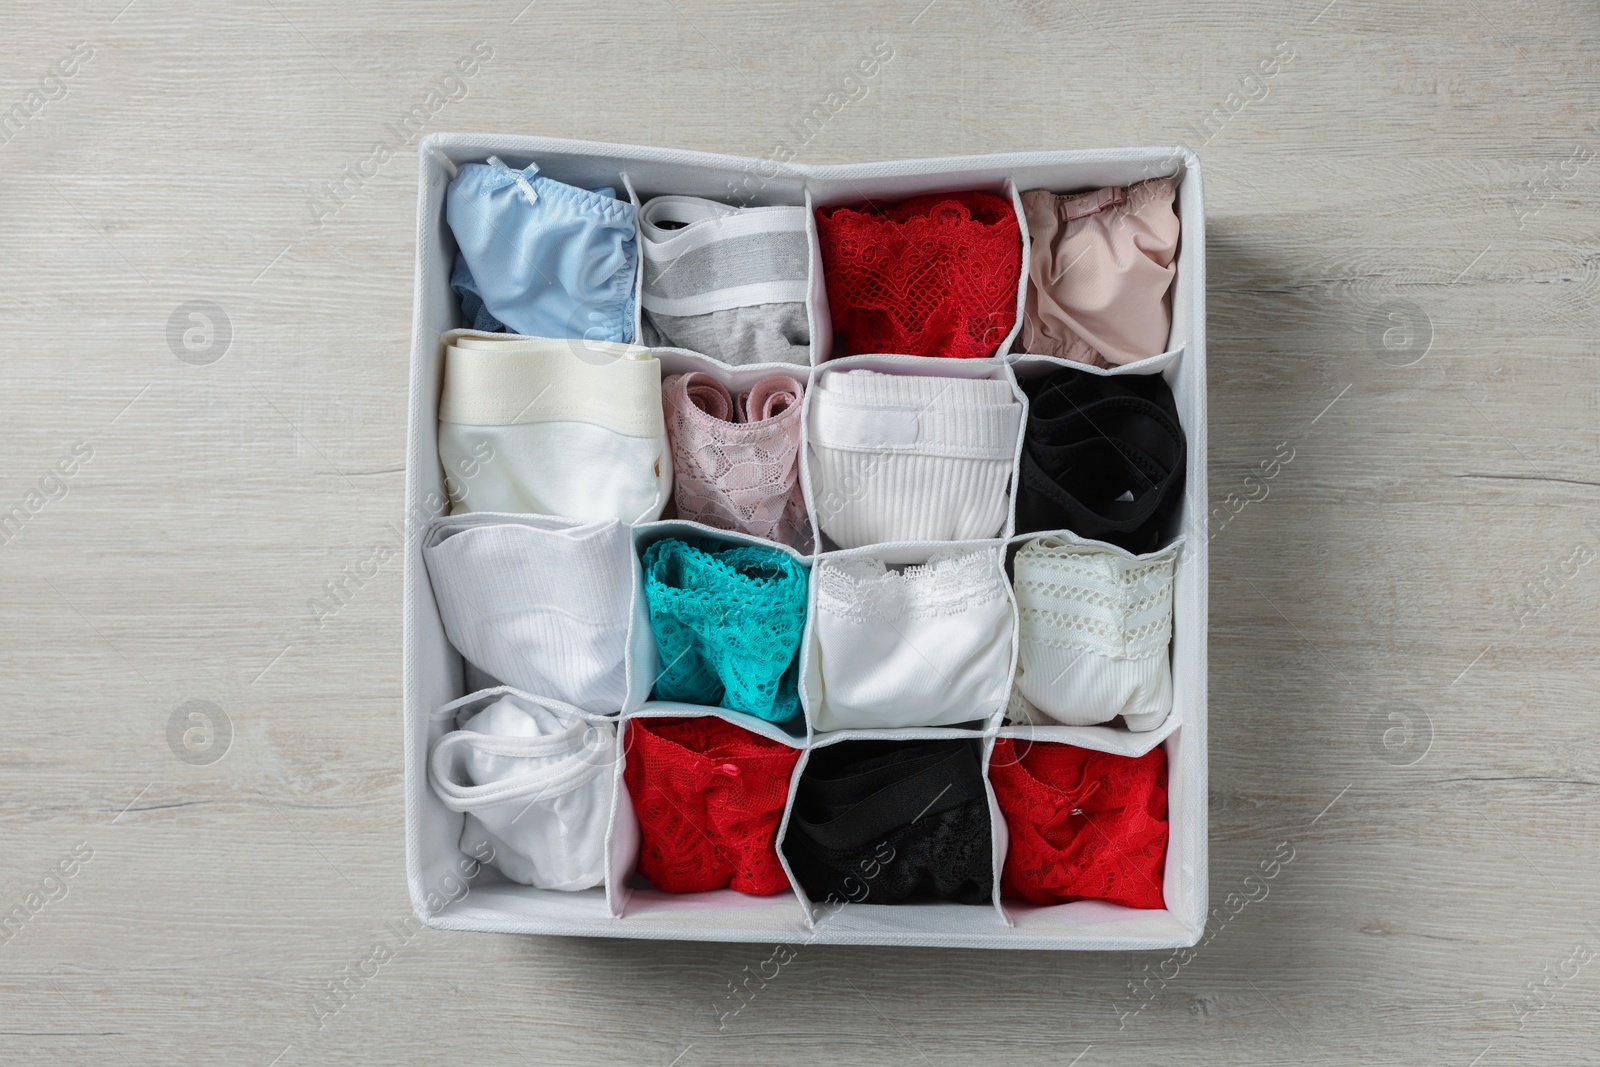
[
  {"x": 1094, "y": 626},
  {"x": 925, "y": 645}
]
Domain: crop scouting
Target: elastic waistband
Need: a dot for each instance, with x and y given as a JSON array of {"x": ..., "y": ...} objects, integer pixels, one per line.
[
  {"x": 706, "y": 222},
  {"x": 1069, "y": 207},
  {"x": 881, "y": 388},
  {"x": 947, "y": 781},
  {"x": 535, "y": 188},
  {"x": 582, "y": 754},
  {"x": 956, "y": 429},
  {"x": 522, "y": 381},
  {"x": 678, "y": 392},
  {"x": 721, "y": 257}
]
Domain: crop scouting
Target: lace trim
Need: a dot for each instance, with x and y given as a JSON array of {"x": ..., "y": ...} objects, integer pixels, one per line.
[
  {"x": 934, "y": 275},
  {"x": 1092, "y": 600},
  {"x": 1126, "y": 199},
  {"x": 727, "y": 622},
  {"x": 919, "y": 390},
  {"x": 1163, "y": 189},
  {"x": 1083, "y": 825},
  {"x": 864, "y": 589}
]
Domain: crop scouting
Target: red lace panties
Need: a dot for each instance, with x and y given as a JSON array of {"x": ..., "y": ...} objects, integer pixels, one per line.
[
  {"x": 1084, "y": 825},
  {"x": 709, "y": 797},
  {"x": 931, "y": 276}
]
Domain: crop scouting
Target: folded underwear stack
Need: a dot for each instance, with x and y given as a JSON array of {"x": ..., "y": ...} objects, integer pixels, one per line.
[
  {"x": 553, "y": 427},
  {"x": 730, "y": 283},
  {"x": 541, "y": 605},
  {"x": 884, "y": 822},
  {"x": 1094, "y": 626},
  {"x": 926, "y": 645},
  {"x": 1081, "y": 825},
  {"x": 533, "y": 777},
  {"x": 539, "y": 257},
  {"x": 1100, "y": 272},
  {"x": 727, "y": 620},
  {"x": 900, "y": 457}
]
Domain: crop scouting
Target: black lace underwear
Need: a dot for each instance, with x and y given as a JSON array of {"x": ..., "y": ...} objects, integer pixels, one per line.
[{"x": 890, "y": 822}]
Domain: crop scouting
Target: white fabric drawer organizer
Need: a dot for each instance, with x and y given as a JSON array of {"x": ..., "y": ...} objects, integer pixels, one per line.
[{"x": 438, "y": 682}]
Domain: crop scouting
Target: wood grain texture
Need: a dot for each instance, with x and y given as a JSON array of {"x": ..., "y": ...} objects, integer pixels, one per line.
[{"x": 1412, "y": 159}]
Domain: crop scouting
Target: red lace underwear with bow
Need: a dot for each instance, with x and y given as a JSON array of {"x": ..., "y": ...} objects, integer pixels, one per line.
[
  {"x": 1084, "y": 825},
  {"x": 931, "y": 276},
  {"x": 709, "y": 797}
]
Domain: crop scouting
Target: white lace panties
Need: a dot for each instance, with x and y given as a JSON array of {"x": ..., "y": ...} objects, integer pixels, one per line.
[
  {"x": 927, "y": 645},
  {"x": 1094, "y": 626}
]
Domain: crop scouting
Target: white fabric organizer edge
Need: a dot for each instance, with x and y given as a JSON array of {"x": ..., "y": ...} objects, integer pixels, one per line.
[{"x": 432, "y": 670}]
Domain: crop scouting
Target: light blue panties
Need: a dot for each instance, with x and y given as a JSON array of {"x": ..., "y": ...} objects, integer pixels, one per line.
[{"x": 544, "y": 258}]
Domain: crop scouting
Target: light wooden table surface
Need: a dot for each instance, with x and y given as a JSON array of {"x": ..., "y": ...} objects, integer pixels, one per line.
[{"x": 1404, "y": 266}]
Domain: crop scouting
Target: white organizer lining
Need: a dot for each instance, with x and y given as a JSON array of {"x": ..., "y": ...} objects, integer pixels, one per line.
[
  {"x": 1091, "y": 924},
  {"x": 817, "y": 312},
  {"x": 638, "y": 260}
]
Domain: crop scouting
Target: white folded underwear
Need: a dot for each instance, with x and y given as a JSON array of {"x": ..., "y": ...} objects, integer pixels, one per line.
[
  {"x": 925, "y": 645},
  {"x": 900, "y": 457},
  {"x": 547, "y": 426},
  {"x": 542, "y": 605},
  {"x": 1093, "y": 629},
  {"x": 534, "y": 778}
]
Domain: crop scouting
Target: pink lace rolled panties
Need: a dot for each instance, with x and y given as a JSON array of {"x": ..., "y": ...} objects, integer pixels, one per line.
[
  {"x": 1100, "y": 272},
  {"x": 736, "y": 460}
]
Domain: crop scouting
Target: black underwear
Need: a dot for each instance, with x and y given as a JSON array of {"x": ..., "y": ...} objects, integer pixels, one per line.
[
  {"x": 889, "y": 822},
  {"x": 1103, "y": 457}
]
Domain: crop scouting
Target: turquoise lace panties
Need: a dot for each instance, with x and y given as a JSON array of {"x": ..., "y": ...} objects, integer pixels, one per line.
[{"x": 727, "y": 621}]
